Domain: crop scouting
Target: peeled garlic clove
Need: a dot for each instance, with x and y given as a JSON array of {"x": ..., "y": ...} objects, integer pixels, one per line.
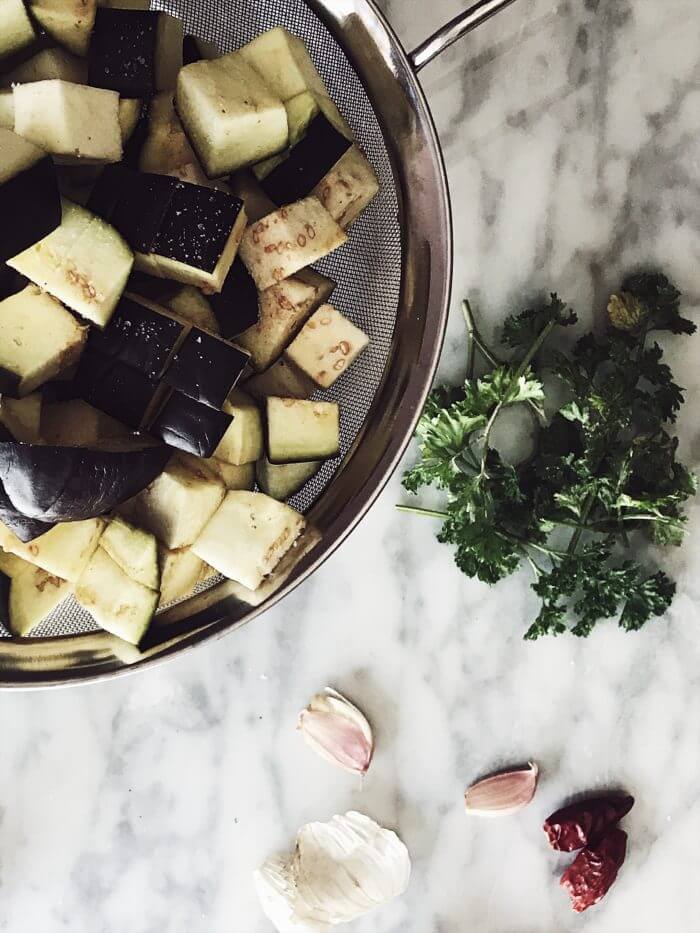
[
  {"x": 337, "y": 731},
  {"x": 502, "y": 794}
]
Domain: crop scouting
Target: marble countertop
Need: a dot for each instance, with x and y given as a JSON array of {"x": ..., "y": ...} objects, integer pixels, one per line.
[{"x": 571, "y": 138}]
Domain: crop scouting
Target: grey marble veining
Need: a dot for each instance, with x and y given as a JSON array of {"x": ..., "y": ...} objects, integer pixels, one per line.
[{"x": 571, "y": 135}]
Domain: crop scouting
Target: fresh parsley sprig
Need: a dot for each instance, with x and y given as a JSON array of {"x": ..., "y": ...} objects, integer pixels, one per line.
[{"x": 605, "y": 468}]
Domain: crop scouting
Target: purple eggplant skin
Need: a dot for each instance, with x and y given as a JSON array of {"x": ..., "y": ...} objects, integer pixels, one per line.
[
  {"x": 191, "y": 426},
  {"x": 64, "y": 484},
  {"x": 206, "y": 368},
  {"x": 122, "y": 54},
  {"x": 26, "y": 529},
  {"x": 236, "y": 307},
  {"x": 30, "y": 205}
]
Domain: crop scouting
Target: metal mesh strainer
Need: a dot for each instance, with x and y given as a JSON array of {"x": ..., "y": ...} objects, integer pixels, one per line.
[{"x": 393, "y": 281}]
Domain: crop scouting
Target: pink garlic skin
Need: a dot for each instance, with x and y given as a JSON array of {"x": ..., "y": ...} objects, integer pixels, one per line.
[
  {"x": 502, "y": 794},
  {"x": 338, "y": 731}
]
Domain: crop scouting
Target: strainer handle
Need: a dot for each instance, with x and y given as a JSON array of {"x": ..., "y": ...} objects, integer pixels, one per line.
[{"x": 458, "y": 27}]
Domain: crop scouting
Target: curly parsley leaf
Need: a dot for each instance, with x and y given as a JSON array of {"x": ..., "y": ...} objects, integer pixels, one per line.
[{"x": 604, "y": 469}]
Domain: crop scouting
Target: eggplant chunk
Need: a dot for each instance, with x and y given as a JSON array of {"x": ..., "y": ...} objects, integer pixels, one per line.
[
  {"x": 326, "y": 346},
  {"x": 135, "y": 52},
  {"x": 69, "y": 484},
  {"x": 288, "y": 240},
  {"x": 299, "y": 430},
  {"x": 282, "y": 379},
  {"x": 73, "y": 121},
  {"x": 34, "y": 594},
  {"x": 283, "y": 310},
  {"x": 74, "y": 423},
  {"x": 139, "y": 337},
  {"x": 13, "y": 521},
  {"x": 84, "y": 263},
  {"x": 236, "y": 306},
  {"x": 206, "y": 368},
  {"x": 199, "y": 236},
  {"x": 130, "y": 113},
  {"x": 348, "y": 188},
  {"x": 22, "y": 417},
  {"x": 248, "y": 536},
  {"x": 284, "y": 63},
  {"x": 283, "y": 480},
  {"x": 7, "y": 110},
  {"x": 166, "y": 149},
  {"x": 46, "y": 65},
  {"x": 243, "y": 441},
  {"x": 63, "y": 551},
  {"x": 179, "y": 574},
  {"x": 229, "y": 113},
  {"x": 38, "y": 338},
  {"x": 16, "y": 29},
  {"x": 307, "y": 163},
  {"x": 190, "y": 426},
  {"x": 232, "y": 476},
  {"x": 69, "y": 22},
  {"x": 301, "y": 111},
  {"x": 190, "y": 305},
  {"x": 177, "y": 504},
  {"x": 118, "y": 390},
  {"x": 134, "y": 550},
  {"x": 118, "y": 604},
  {"x": 28, "y": 194}
]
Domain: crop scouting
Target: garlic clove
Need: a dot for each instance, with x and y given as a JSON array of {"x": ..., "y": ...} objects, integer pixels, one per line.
[
  {"x": 340, "y": 870},
  {"x": 503, "y": 794},
  {"x": 338, "y": 731}
]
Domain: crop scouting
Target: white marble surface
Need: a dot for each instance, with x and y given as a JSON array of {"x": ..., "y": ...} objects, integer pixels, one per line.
[{"x": 571, "y": 135}]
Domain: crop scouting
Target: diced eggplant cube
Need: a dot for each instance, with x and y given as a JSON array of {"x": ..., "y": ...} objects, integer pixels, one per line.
[
  {"x": 84, "y": 263},
  {"x": 301, "y": 110},
  {"x": 7, "y": 110},
  {"x": 326, "y": 346},
  {"x": 73, "y": 121},
  {"x": 74, "y": 423},
  {"x": 28, "y": 194},
  {"x": 190, "y": 426},
  {"x": 282, "y": 379},
  {"x": 38, "y": 338},
  {"x": 69, "y": 22},
  {"x": 348, "y": 188},
  {"x": 63, "y": 551},
  {"x": 248, "y": 536},
  {"x": 177, "y": 505},
  {"x": 243, "y": 441},
  {"x": 307, "y": 163},
  {"x": 22, "y": 417},
  {"x": 179, "y": 574},
  {"x": 236, "y": 306},
  {"x": 206, "y": 368},
  {"x": 286, "y": 241},
  {"x": 135, "y": 52},
  {"x": 16, "y": 29},
  {"x": 283, "y": 480},
  {"x": 116, "y": 389},
  {"x": 190, "y": 305},
  {"x": 166, "y": 149},
  {"x": 134, "y": 550},
  {"x": 46, "y": 65},
  {"x": 230, "y": 115},
  {"x": 117, "y": 603},
  {"x": 199, "y": 236},
  {"x": 33, "y": 596},
  {"x": 138, "y": 337},
  {"x": 299, "y": 431},
  {"x": 232, "y": 476},
  {"x": 283, "y": 310},
  {"x": 130, "y": 113}
]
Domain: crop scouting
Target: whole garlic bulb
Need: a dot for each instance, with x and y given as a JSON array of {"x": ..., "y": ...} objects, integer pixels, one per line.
[{"x": 340, "y": 870}]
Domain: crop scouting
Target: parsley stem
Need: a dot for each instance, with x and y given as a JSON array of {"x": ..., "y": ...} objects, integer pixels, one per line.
[
  {"x": 471, "y": 344},
  {"x": 428, "y": 513}
]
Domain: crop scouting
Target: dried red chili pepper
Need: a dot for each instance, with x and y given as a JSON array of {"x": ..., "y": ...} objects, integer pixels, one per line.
[
  {"x": 585, "y": 823},
  {"x": 592, "y": 873}
]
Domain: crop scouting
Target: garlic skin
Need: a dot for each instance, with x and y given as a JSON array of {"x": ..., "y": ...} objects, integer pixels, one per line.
[
  {"x": 337, "y": 731},
  {"x": 503, "y": 794},
  {"x": 340, "y": 870}
]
